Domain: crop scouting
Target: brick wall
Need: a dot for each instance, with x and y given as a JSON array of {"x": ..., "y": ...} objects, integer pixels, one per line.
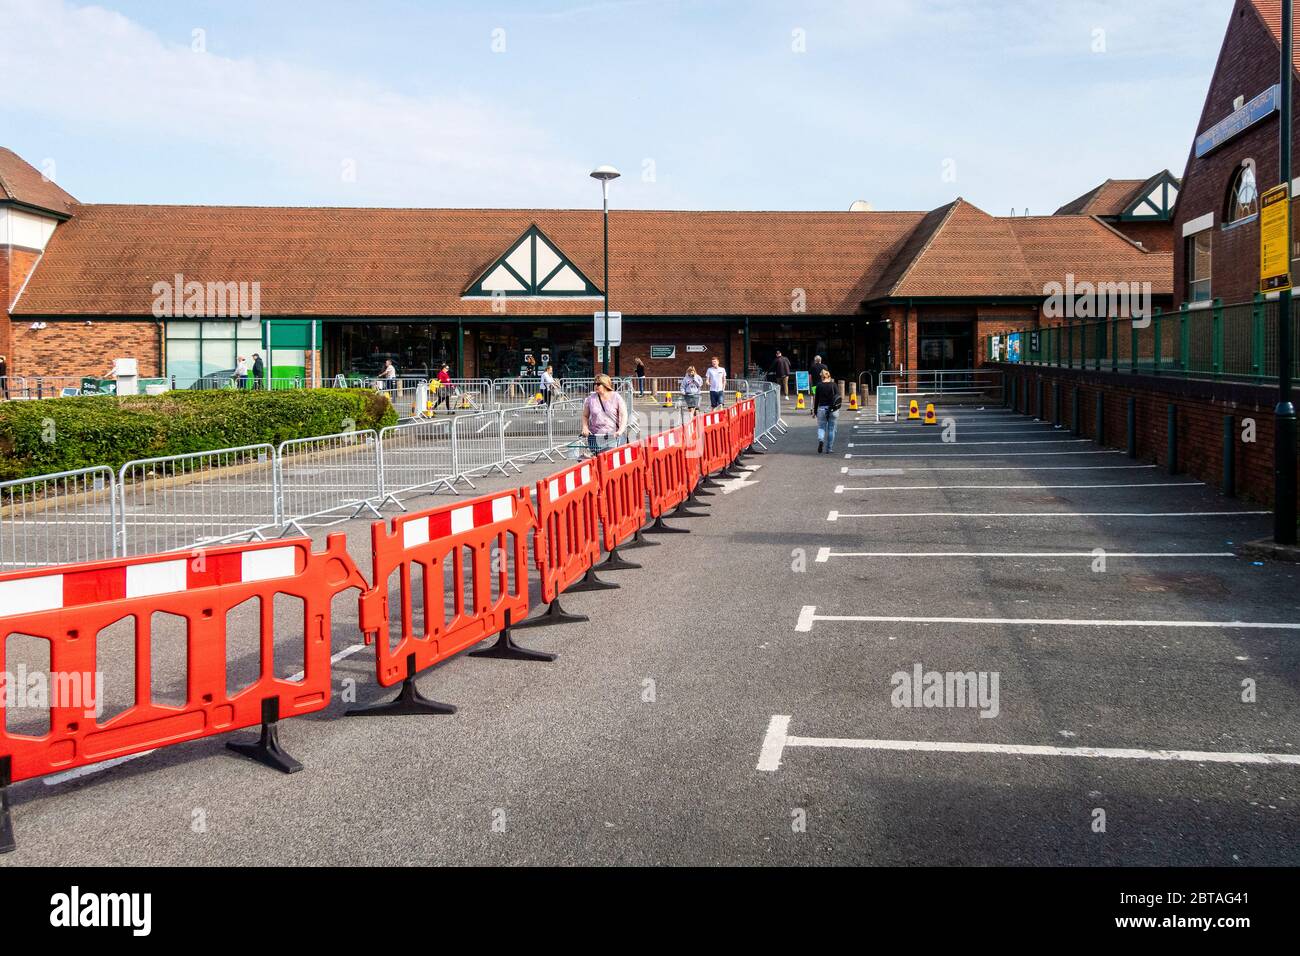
[
  {"x": 1248, "y": 65},
  {"x": 638, "y": 338},
  {"x": 1201, "y": 409},
  {"x": 75, "y": 348},
  {"x": 15, "y": 266},
  {"x": 1154, "y": 236}
]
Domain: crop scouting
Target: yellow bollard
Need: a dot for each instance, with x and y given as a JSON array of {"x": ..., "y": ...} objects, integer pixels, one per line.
[
  {"x": 913, "y": 411},
  {"x": 929, "y": 414}
]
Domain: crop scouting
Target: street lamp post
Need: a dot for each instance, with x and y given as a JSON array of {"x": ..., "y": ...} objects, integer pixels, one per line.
[
  {"x": 605, "y": 174},
  {"x": 1284, "y": 416}
]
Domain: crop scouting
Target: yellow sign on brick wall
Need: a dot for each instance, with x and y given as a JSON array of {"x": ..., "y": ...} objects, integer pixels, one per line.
[{"x": 1275, "y": 240}]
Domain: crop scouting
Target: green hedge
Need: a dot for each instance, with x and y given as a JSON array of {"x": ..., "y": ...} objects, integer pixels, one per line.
[{"x": 104, "y": 430}]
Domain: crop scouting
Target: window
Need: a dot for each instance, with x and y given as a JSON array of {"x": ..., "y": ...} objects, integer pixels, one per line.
[
  {"x": 208, "y": 348},
  {"x": 1243, "y": 196},
  {"x": 1198, "y": 267}
]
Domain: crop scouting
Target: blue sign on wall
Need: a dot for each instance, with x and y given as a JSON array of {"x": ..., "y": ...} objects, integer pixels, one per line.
[{"x": 1257, "y": 109}]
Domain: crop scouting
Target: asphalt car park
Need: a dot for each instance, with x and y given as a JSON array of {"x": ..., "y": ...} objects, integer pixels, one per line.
[{"x": 738, "y": 700}]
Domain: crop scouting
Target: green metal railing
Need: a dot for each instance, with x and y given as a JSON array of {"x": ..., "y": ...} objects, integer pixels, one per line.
[{"x": 1236, "y": 342}]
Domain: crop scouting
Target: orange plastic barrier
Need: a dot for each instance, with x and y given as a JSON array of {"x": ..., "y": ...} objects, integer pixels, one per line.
[
  {"x": 69, "y": 606},
  {"x": 462, "y": 571},
  {"x": 622, "y": 499},
  {"x": 669, "y": 469},
  {"x": 717, "y": 442},
  {"x": 567, "y": 544}
]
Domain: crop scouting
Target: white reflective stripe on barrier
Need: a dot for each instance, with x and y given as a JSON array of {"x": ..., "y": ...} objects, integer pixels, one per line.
[{"x": 52, "y": 592}]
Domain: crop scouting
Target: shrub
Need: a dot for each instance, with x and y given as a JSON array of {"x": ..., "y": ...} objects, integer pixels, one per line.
[{"x": 62, "y": 434}]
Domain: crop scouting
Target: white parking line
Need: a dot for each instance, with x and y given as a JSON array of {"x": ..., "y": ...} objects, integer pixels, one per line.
[
  {"x": 846, "y": 470},
  {"x": 778, "y": 738},
  {"x": 914, "y": 444},
  {"x": 825, "y": 554},
  {"x": 840, "y": 489},
  {"x": 837, "y": 515},
  {"x": 995, "y": 454},
  {"x": 808, "y": 616}
]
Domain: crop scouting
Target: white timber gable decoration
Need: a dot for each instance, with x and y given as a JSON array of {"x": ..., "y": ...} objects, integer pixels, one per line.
[
  {"x": 1156, "y": 201},
  {"x": 532, "y": 267}
]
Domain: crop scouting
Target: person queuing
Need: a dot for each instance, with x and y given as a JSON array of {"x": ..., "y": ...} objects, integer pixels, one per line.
[
  {"x": 444, "y": 388},
  {"x": 640, "y": 377},
  {"x": 816, "y": 370},
  {"x": 259, "y": 371},
  {"x": 548, "y": 386},
  {"x": 4, "y": 378},
  {"x": 826, "y": 409},
  {"x": 388, "y": 377},
  {"x": 604, "y": 416},
  {"x": 241, "y": 372},
  {"x": 690, "y": 389},
  {"x": 717, "y": 376},
  {"x": 780, "y": 372}
]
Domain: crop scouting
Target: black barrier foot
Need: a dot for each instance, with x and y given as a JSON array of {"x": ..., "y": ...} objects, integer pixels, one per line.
[
  {"x": 554, "y": 614},
  {"x": 268, "y": 750},
  {"x": 506, "y": 648},
  {"x": 408, "y": 702},
  {"x": 7, "y": 842},
  {"x": 613, "y": 562},
  {"x": 684, "y": 512},
  {"x": 660, "y": 528},
  {"x": 710, "y": 482},
  {"x": 702, "y": 491},
  {"x": 640, "y": 542},
  {"x": 590, "y": 582}
]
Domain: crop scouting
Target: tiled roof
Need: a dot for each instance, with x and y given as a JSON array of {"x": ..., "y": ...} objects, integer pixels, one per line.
[
  {"x": 1109, "y": 199},
  {"x": 959, "y": 251},
  {"x": 417, "y": 262},
  {"x": 1270, "y": 11},
  {"x": 22, "y": 182}
]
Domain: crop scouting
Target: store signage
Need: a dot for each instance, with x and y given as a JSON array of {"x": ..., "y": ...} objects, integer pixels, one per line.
[
  {"x": 1261, "y": 107},
  {"x": 1274, "y": 240},
  {"x": 887, "y": 402},
  {"x": 663, "y": 351},
  {"x": 697, "y": 348},
  {"x": 613, "y": 335}
]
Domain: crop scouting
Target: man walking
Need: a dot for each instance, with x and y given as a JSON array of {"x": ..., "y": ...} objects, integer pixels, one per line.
[
  {"x": 781, "y": 374},
  {"x": 259, "y": 371},
  {"x": 717, "y": 377},
  {"x": 604, "y": 416},
  {"x": 816, "y": 370}
]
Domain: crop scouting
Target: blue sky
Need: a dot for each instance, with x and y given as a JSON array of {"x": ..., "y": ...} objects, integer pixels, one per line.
[{"x": 733, "y": 104}]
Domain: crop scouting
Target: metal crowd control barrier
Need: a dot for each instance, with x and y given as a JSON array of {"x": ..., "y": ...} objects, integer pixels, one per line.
[
  {"x": 567, "y": 544},
  {"x": 947, "y": 383},
  {"x": 480, "y": 445},
  {"x": 320, "y": 477},
  {"x": 526, "y": 435},
  {"x": 59, "y": 518},
  {"x": 70, "y": 609},
  {"x": 512, "y": 392},
  {"x": 177, "y": 501},
  {"x": 417, "y": 458},
  {"x": 462, "y": 576},
  {"x": 566, "y": 428}
]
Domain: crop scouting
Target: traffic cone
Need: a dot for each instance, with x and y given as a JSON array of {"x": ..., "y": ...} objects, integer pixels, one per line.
[
  {"x": 668, "y": 399},
  {"x": 799, "y": 405},
  {"x": 853, "y": 402},
  {"x": 913, "y": 411},
  {"x": 929, "y": 414}
]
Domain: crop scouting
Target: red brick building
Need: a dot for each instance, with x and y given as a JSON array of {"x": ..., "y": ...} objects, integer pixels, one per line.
[
  {"x": 482, "y": 288},
  {"x": 1233, "y": 159}
]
